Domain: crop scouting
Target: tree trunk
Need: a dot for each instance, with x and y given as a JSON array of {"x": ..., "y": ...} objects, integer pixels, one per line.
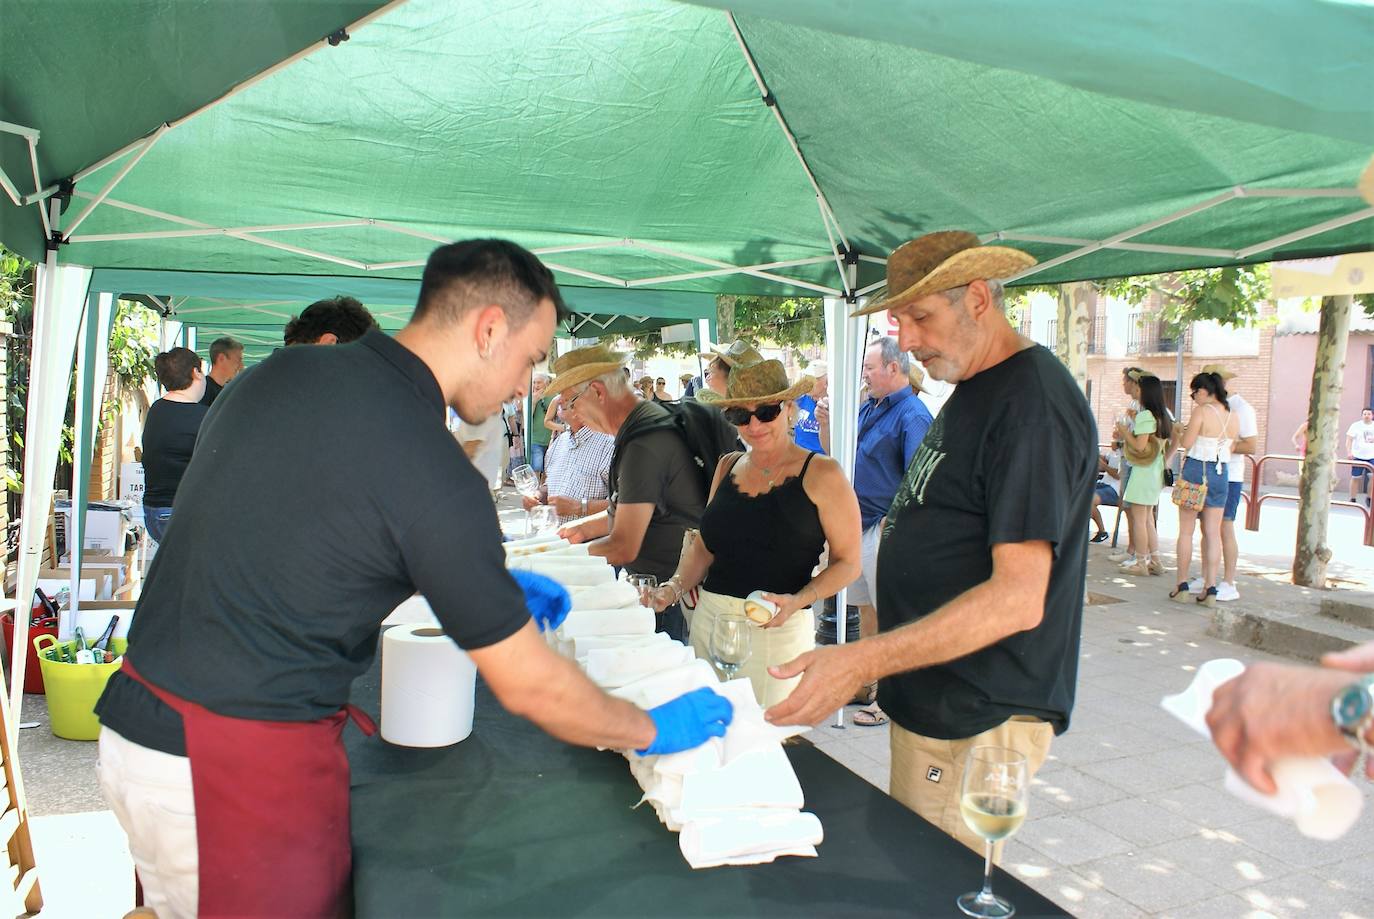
[
  {"x": 1311, "y": 554},
  {"x": 1073, "y": 329},
  {"x": 725, "y": 318}
]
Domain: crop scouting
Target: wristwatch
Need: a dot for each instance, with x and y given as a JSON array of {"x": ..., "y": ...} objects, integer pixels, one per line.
[{"x": 1352, "y": 710}]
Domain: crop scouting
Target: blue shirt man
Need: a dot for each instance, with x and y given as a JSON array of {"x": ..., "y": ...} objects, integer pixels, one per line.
[
  {"x": 808, "y": 430},
  {"x": 891, "y": 427}
]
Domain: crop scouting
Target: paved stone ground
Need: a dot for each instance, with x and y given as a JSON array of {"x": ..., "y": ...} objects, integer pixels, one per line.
[{"x": 1128, "y": 817}]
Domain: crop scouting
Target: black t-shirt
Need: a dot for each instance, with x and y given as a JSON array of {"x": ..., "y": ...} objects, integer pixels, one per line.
[
  {"x": 212, "y": 391},
  {"x": 1012, "y": 457},
  {"x": 657, "y": 468},
  {"x": 169, "y": 439},
  {"x": 326, "y": 490}
]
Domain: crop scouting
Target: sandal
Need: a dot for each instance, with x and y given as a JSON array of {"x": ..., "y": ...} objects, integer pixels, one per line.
[
  {"x": 1180, "y": 593},
  {"x": 870, "y": 717},
  {"x": 1208, "y": 597},
  {"x": 866, "y": 695}
]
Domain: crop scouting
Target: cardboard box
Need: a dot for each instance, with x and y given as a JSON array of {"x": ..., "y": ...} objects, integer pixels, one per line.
[
  {"x": 105, "y": 530},
  {"x": 52, "y": 580},
  {"x": 94, "y": 616}
]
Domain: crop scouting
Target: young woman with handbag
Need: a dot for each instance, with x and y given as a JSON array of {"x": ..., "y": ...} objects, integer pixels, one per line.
[
  {"x": 1144, "y": 444},
  {"x": 1207, "y": 438}
]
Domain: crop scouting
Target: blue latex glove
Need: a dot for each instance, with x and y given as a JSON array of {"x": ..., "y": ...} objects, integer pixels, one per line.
[
  {"x": 547, "y": 600},
  {"x": 689, "y": 721}
]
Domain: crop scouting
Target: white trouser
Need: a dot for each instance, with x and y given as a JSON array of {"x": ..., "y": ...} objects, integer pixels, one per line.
[
  {"x": 864, "y": 590},
  {"x": 150, "y": 794}
]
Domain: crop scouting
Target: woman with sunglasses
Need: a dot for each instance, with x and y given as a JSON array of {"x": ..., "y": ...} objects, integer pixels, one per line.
[
  {"x": 1207, "y": 438},
  {"x": 771, "y": 511},
  {"x": 661, "y": 393}
]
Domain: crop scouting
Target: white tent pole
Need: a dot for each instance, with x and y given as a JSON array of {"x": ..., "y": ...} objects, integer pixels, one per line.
[
  {"x": 578, "y": 272},
  {"x": 718, "y": 272},
  {"x": 844, "y": 348},
  {"x": 60, "y": 293},
  {"x": 213, "y": 231},
  {"x": 10, "y": 191},
  {"x": 92, "y": 365},
  {"x": 1287, "y": 238},
  {"x": 115, "y": 180},
  {"x": 717, "y": 263},
  {"x": 1237, "y": 192},
  {"x": 1126, "y": 246},
  {"x": 863, "y": 291},
  {"x": 772, "y": 103},
  {"x": 33, "y": 167}
]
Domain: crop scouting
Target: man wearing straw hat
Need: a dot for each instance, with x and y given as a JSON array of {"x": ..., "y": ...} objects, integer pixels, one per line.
[
  {"x": 658, "y": 487},
  {"x": 981, "y": 566}
]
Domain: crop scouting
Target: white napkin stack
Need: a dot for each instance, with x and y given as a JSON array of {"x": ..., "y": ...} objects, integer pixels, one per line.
[
  {"x": 1321, "y": 802},
  {"x": 734, "y": 799}
]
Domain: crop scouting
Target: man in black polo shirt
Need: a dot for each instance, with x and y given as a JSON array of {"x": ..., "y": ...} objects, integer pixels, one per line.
[
  {"x": 226, "y": 361},
  {"x": 981, "y": 564},
  {"x": 324, "y": 491},
  {"x": 333, "y": 321}
]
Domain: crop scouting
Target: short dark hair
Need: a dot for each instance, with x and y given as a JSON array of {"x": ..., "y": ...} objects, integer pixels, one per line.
[
  {"x": 479, "y": 272},
  {"x": 225, "y": 345},
  {"x": 176, "y": 368},
  {"x": 348, "y": 319}
]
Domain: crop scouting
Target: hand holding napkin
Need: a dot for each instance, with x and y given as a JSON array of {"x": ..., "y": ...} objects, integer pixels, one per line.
[
  {"x": 546, "y": 599},
  {"x": 1313, "y": 793}
]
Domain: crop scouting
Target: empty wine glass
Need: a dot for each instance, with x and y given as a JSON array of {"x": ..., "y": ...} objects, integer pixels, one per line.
[
  {"x": 541, "y": 519},
  {"x": 645, "y": 584},
  {"x": 992, "y": 800},
  {"x": 526, "y": 480},
  {"x": 730, "y": 643}
]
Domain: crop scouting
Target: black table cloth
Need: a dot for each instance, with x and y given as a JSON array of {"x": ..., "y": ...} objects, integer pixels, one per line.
[{"x": 511, "y": 822}]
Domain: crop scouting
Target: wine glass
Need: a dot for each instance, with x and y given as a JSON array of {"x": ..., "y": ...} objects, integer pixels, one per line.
[
  {"x": 992, "y": 800},
  {"x": 541, "y": 519},
  {"x": 645, "y": 584},
  {"x": 729, "y": 643},
  {"x": 526, "y": 480}
]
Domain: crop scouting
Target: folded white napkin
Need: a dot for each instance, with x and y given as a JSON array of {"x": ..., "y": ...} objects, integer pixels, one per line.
[
  {"x": 748, "y": 730},
  {"x": 1321, "y": 802},
  {"x": 615, "y": 667},
  {"x": 580, "y": 647},
  {"x": 627, "y": 621},
  {"x": 567, "y": 574},
  {"x": 761, "y": 778},
  {"x": 661, "y": 687},
  {"x": 603, "y": 596},
  {"x": 565, "y": 549},
  {"x": 541, "y": 543},
  {"x": 749, "y": 839}
]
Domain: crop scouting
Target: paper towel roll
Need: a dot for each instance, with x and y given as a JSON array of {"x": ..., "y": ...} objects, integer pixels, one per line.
[{"x": 428, "y": 687}]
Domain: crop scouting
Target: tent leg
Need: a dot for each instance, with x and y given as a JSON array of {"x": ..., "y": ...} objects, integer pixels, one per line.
[
  {"x": 61, "y": 292},
  {"x": 844, "y": 339},
  {"x": 92, "y": 366}
]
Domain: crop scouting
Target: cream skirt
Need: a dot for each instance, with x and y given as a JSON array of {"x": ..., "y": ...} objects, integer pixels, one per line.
[{"x": 768, "y": 646}]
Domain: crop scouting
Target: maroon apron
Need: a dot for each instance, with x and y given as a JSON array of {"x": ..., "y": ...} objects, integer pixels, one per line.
[{"x": 271, "y": 803}]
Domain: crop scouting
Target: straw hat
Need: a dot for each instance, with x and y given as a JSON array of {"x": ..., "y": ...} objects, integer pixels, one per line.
[
  {"x": 736, "y": 354},
  {"x": 583, "y": 364},
  {"x": 758, "y": 383},
  {"x": 943, "y": 261},
  {"x": 818, "y": 369},
  {"x": 917, "y": 377},
  {"x": 1220, "y": 370}
]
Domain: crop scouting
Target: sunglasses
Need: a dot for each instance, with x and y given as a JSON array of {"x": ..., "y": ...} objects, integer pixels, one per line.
[{"x": 739, "y": 417}]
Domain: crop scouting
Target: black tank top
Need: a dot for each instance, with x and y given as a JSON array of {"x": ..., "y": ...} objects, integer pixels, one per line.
[{"x": 768, "y": 542}]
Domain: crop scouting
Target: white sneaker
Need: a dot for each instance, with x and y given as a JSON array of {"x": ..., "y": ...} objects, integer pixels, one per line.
[
  {"x": 1120, "y": 555},
  {"x": 1128, "y": 561},
  {"x": 1227, "y": 592},
  {"x": 1195, "y": 585}
]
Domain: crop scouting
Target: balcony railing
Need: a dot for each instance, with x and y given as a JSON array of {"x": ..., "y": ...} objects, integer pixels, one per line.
[{"x": 1147, "y": 335}]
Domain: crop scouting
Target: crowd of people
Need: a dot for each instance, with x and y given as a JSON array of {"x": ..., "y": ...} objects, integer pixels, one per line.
[{"x": 962, "y": 536}]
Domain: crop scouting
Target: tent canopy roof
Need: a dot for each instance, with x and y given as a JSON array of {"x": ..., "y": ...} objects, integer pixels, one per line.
[{"x": 629, "y": 142}]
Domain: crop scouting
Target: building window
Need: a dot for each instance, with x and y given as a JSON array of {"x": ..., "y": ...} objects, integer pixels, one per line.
[{"x": 1146, "y": 334}]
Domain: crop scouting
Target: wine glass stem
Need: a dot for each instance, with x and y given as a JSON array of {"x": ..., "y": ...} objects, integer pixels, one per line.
[{"x": 986, "y": 893}]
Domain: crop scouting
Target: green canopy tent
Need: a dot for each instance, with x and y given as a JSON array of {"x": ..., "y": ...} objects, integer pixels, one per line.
[{"x": 657, "y": 146}]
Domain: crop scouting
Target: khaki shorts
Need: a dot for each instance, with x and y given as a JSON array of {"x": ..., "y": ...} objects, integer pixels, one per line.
[
  {"x": 926, "y": 773},
  {"x": 864, "y": 591}
]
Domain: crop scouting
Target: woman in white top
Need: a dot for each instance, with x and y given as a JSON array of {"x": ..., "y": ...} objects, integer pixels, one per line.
[{"x": 1207, "y": 438}]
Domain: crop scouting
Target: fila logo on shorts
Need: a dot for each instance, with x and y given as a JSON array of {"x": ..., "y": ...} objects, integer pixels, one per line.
[{"x": 933, "y": 774}]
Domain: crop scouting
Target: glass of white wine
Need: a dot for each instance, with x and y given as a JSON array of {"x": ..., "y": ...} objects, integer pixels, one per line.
[
  {"x": 730, "y": 644},
  {"x": 992, "y": 799}
]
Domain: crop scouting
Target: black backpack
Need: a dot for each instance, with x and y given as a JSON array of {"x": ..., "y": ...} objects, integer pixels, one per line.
[{"x": 703, "y": 429}]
